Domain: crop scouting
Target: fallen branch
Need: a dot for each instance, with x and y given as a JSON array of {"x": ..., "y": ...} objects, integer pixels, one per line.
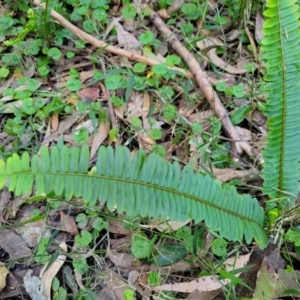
[
  {"x": 202, "y": 80},
  {"x": 106, "y": 47}
]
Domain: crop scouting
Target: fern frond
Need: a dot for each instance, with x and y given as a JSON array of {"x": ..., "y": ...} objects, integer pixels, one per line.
[
  {"x": 281, "y": 48},
  {"x": 138, "y": 186}
]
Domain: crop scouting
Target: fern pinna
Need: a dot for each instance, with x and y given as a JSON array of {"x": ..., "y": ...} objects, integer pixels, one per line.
[
  {"x": 281, "y": 48},
  {"x": 138, "y": 186}
]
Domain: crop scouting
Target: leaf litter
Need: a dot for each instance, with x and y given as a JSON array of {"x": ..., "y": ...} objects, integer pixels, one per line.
[{"x": 115, "y": 272}]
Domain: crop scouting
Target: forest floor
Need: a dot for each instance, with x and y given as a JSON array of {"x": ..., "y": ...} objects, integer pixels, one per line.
[{"x": 179, "y": 79}]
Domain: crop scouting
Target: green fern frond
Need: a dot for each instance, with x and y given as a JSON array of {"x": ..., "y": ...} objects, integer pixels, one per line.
[
  {"x": 281, "y": 48},
  {"x": 138, "y": 186}
]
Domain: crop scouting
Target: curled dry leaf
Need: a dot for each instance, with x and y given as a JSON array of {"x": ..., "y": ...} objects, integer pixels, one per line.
[
  {"x": 88, "y": 125},
  {"x": 123, "y": 260},
  {"x": 201, "y": 117},
  {"x": 176, "y": 4},
  {"x": 29, "y": 65},
  {"x": 167, "y": 226},
  {"x": 133, "y": 276},
  {"x": 13, "y": 244},
  {"x": 244, "y": 133},
  {"x": 207, "y": 283},
  {"x": 163, "y": 13},
  {"x": 229, "y": 174},
  {"x": 233, "y": 263},
  {"x": 47, "y": 275},
  {"x": 271, "y": 284},
  {"x": 68, "y": 223},
  {"x": 203, "y": 295},
  {"x": 89, "y": 94},
  {"x": 125, "y": 38},
  {"x": 259, "y": 21},
  {"x": 54, "y": 122},
  {"x": 117, "y": 227},
  {"x": 210, "y": 45},
  {"x": 3, "y": 274},
  {"x": 138, "y": 105},
  {"x": 4, "y": 206},
  {"x": 99, "y": 137},
  {"x": 113, "y": 286}
]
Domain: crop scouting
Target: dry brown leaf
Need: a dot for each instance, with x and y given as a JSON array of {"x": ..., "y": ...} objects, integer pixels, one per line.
[
  {"x": 3, "y": 10},
  {"x": 29, "y": 65},
  {"x": 259, "y": 22},
  {"x": 67, "y": 123},
  {"x": 123, "y": 260},
  {"x": 176, "y": 4},
  {"x": 133, "y": 276},
  {"x": 3, "y": 274},
  {"x": 48, "y": 275},
  {"x": 117, "y": 227},
  {"x": 88, "y": 125},
  {"x": 89, "y": 94},
  {"x": 271, "y": 284},
  {"x": 145, "y": 141},
  {"x": 244, "y": 133},
  {"x": 120, "y": 243},
  {"x": 10, "y": 107},
  {"x": 129, "y": 24},
  {"x": 31, "y": 232},
  {"x": 99, "y": 137},
  {"x": 209, "y": 43},
  {"x": 119, "y": 111},
  {"x": 6, "y": 85},
  {"x": 166, "y": 226},
  {"x": 54, "y": 122},
  {"x": 196, "y": 156},
  {"x": 105, "y": 92},
  {"x": 68, "y": 223},
  {"x": 85, "y": 75},
  {"x": 233, "y": 34},
  {"x": 203, "y": 295},
  {"x": 114, "y": 286},
  {"x": 126, "y": 39},
  {"x": 72, "y": 99},
  {"x": 201, "y": 117},
  {"x": 48, "y": 137},
  {"x": 163, "y": 13},
  {"x": 4, "y": 200},
  {"x": 13, "y": 244},
  {"x": 233, "y": 263},
  {"x": 138, "y": 105},
  {"x": 229, "y": 174},
  {"x": 205, "y": 283}
]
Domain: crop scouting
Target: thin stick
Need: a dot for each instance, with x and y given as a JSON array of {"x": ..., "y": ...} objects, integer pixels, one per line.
[{"x": 106, "y": 47}]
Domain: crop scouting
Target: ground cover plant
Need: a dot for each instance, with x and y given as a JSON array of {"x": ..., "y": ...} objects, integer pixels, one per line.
[{"x": 115, "y": 114}]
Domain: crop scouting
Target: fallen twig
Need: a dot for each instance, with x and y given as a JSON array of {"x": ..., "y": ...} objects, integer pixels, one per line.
[{"x": 106, "y": 47}]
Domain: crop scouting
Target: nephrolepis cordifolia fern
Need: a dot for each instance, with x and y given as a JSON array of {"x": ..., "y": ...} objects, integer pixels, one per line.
[
  {"x": 138, "y": 186},
  {"x": 281, "y": 48}
]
